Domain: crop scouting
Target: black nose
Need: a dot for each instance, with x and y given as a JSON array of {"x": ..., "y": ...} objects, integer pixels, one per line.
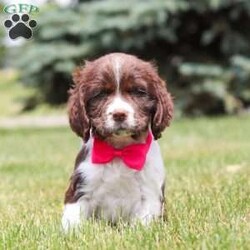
[{"x": 119, "y": 116}]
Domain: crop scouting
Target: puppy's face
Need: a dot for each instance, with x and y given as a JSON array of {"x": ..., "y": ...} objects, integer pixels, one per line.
[
  {"x": 118, "y": 95},
  {"x": 118, "y": 100}
]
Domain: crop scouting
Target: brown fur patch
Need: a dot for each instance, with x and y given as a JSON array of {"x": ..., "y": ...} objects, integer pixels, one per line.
[
  {"x": 73, "y": 194},
  {"x": 163, "y": 203}
]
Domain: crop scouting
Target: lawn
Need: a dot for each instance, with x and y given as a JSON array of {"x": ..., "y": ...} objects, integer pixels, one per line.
[{"x": 208, "y": 190}]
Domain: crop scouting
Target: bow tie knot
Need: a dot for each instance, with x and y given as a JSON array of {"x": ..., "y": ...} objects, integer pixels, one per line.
[
  {"x": 134, "y": 156},
  {"x": 118, "y": 152}
]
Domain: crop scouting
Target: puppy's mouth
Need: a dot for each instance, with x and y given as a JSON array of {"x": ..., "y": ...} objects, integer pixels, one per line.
[
  {"x": 122, "y": 133},
  {"x": 122, "y": 130},
  {"x": 119, "y": 132}
]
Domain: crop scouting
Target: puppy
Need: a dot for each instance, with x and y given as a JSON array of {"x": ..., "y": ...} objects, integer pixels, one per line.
[{"x": 119, "y": 107}]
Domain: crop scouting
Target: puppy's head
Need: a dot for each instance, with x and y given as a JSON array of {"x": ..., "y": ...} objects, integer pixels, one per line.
[{"x": 118, "y": 95}]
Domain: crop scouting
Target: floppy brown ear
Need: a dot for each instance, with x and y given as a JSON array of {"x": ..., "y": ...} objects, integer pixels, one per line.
[
  {"x": 163, "y": 111},
  {"x": 78, "y": 118}
]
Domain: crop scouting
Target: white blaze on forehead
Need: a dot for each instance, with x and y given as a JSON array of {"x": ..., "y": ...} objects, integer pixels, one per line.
[{"x": 117, "y": 64}]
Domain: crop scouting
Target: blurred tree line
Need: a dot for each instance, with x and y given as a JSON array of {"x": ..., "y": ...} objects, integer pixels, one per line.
[{"x": 202, "y": 47}]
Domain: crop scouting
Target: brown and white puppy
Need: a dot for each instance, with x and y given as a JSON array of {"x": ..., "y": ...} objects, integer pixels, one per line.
[{"x": 119, "y": 99}]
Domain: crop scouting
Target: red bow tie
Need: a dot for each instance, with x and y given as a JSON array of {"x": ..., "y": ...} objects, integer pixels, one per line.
[{"x": 134, "y": 156}]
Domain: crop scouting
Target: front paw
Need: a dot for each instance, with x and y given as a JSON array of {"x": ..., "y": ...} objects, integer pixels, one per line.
[{"x": 71, "y": 217}]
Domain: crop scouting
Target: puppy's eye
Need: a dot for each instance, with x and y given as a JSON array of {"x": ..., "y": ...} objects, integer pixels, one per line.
[
  {"x": 140, "y": 92},
  {"x": 101, "y": 94}
]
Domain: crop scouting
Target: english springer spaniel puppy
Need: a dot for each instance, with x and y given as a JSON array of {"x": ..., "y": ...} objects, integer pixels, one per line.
[{"x": 119, "y": 107}]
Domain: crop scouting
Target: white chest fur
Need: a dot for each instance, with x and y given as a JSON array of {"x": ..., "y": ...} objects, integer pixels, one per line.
[{"x": 113, "y": 191}]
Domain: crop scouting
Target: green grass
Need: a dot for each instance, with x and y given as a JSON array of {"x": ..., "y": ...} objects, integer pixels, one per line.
[{"x": 208, "y": 190}]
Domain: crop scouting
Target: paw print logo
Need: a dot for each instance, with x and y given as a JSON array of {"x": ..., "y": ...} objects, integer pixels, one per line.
[{"x": 20, "y": 26}]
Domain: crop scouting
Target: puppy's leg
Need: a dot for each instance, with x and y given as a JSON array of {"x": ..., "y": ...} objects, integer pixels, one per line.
[
  {"x": 71, "y": 216},
  {"x": 76, "y": 208},
  {"x": 74, "y": 214},
  {"x": 151, "y": 207},
  {"x": 149, "y": 211}
]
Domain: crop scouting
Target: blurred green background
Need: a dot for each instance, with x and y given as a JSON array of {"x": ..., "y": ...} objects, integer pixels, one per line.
[{"x": 202, "y": 49}]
